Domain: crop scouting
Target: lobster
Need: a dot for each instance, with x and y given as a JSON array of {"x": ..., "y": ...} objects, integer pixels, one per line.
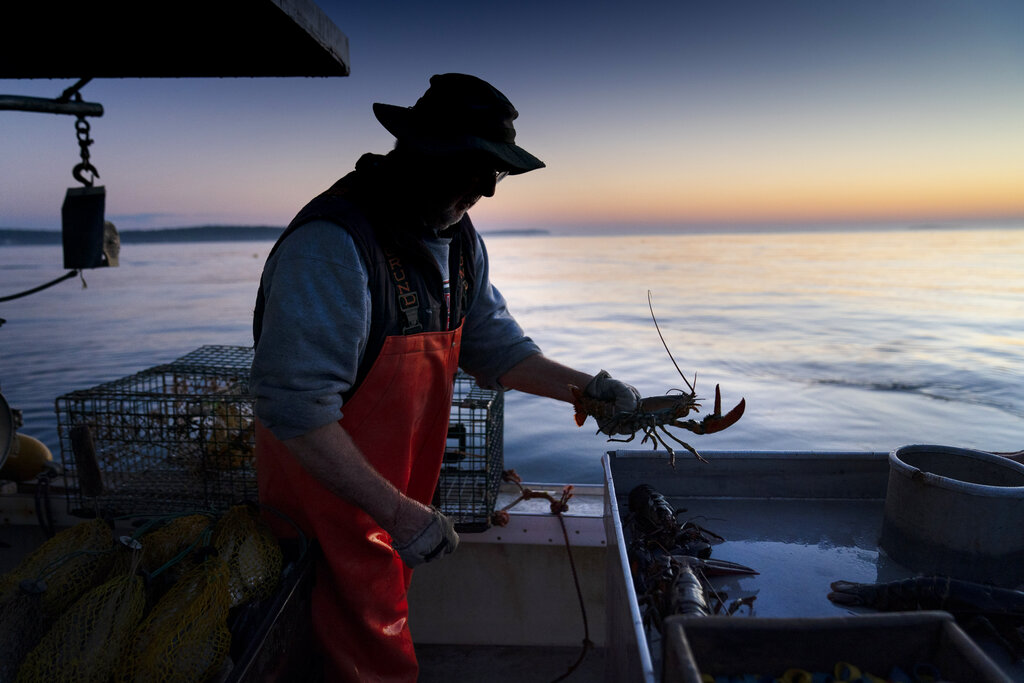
[
  {"x": 998, "y": 611},
  {"x": 653, "y": 522},
  {"x": 670, "y": 562},
  {"x": 657, "y": 412},
  {"x": 679, "y": 585}
]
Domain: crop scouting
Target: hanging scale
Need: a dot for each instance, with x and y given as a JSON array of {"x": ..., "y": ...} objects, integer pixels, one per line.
[{"x": 89, "y": 240}]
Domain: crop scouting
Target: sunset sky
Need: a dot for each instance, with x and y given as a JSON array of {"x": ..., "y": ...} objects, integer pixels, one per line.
[{"x": 646, "y": 113}]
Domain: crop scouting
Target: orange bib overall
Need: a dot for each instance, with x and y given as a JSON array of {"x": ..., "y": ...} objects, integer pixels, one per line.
[{"x": 399, "y": 419}]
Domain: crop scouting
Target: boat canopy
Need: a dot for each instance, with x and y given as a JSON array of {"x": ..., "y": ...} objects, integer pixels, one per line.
[{"x": 186, "y": 38}]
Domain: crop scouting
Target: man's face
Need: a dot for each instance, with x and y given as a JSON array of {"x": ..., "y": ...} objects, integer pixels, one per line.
[{"x": 454, "y": 185}]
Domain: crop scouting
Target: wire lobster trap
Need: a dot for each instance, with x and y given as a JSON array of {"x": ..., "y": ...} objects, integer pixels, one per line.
[
  {"x": 474, "y": 456},
  {"x": 174, "y": 437},
  {"x": 180, "y": 436}
]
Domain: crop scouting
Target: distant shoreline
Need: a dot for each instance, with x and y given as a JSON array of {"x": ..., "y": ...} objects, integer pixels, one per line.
[
  {"x": 207, "y": 233},
  {"x": 258, "y": 233},
  {"x": 212, "y": 233}
]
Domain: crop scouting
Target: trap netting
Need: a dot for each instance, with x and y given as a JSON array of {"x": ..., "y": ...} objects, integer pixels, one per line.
[
  {"x": 173, "y": 437},
  {"x": 467, "y": 487}
]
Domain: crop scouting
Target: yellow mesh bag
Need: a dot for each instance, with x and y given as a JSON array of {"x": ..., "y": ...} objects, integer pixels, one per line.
[
  {"x": 254, "y": 558},
  {"x": 87, "y": 641},
  {"x": 22, "y": 624},
  {"x": 184, "y": 638},
  {"x": 167, "y": 542},
  {"x": 70, "y": 563}
]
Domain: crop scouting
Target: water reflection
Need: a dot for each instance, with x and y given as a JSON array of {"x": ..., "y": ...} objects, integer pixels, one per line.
[{"x": 859, "y": 341}]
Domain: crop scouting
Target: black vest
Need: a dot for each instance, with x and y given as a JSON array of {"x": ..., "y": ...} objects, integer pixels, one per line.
[{"x": 407, "y": 293}]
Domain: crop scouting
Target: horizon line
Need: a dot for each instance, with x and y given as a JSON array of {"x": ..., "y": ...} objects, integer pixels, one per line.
[{"x": 659, "y": 224}]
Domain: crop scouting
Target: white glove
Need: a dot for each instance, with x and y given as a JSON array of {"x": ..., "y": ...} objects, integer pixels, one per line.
[
  {"x": 437, "y": 538},
  {"x": 622, "y": 396}
]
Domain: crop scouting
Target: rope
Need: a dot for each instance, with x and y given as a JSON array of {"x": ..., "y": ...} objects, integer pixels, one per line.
[
  {"x": 587, "y": 643},
  {"x": 66, "y": 276},
  {"x": 557, "y": 508}
]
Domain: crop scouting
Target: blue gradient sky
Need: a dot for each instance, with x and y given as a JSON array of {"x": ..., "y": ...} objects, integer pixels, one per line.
[{"x": 646, "y": 113}]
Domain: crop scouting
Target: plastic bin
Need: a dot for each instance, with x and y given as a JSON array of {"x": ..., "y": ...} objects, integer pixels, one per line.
[{"x": 875, "y": 643}]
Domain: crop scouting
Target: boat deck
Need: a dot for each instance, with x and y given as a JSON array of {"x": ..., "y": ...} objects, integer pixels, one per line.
[
  {"x": 505, "y": 608},
  {"x": 507, "y": 664}
]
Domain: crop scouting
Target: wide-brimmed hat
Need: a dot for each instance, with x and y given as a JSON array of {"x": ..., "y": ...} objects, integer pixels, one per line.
[{"x": 460, "y": 113}]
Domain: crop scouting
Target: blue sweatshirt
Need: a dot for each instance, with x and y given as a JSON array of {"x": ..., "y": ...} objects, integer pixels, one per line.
[{"x": 317, "y": 320}]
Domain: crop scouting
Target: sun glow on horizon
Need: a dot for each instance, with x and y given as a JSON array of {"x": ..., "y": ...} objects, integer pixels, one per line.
[{"x": 707, "y": 112}]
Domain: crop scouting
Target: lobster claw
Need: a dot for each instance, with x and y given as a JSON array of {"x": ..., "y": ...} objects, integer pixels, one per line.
[{"x": 716, "y": 422}]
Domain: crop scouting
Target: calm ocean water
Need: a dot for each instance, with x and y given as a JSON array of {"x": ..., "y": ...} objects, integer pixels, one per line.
[{"x": 846, "y": 340}]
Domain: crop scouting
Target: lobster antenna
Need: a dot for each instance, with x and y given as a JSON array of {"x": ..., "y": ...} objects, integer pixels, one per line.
[{"x": 650, "y": 304}]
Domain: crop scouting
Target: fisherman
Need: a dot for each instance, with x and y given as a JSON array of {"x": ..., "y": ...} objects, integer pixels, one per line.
[{"x": 362, "y": 317}]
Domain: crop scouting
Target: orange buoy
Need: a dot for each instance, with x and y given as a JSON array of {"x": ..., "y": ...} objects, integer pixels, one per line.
[{"x": 28, "y": 457}]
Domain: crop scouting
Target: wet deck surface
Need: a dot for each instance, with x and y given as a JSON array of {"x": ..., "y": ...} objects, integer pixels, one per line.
[{"x": 503, "y": 664}]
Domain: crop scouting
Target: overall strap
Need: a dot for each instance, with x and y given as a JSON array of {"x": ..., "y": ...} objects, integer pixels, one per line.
[{"x": 407, "y": 298}]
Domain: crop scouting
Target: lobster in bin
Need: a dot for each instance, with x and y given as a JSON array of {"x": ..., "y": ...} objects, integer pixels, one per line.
[{"x": 655, "y": 413}]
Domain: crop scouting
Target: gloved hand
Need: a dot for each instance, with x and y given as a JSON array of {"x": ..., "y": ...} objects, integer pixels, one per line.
[
  {"x": 623, "y": 397},
  {"x": 437, "y": 538}
]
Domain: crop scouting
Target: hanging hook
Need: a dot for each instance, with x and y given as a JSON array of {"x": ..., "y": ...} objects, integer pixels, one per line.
[{"x": 85, "y": 167}]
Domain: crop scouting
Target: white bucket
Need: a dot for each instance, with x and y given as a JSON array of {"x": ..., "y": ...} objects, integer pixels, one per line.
[{"x": 955, "y": 512}]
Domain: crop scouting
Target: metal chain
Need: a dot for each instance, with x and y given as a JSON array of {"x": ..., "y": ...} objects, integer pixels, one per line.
[{"x": 82, "y": 129}]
